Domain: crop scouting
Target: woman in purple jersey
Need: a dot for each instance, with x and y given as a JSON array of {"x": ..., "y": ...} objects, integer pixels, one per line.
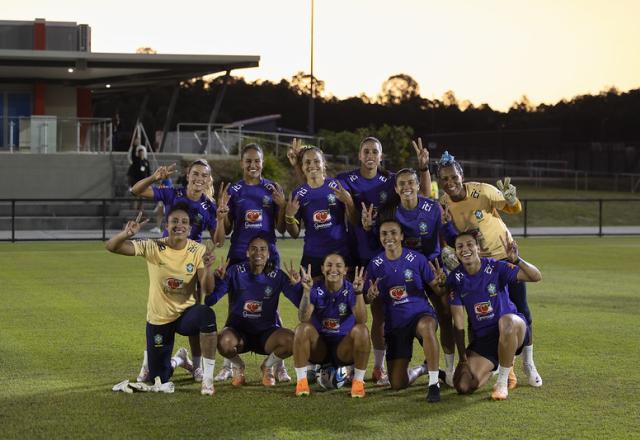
[
  {"x": 420, "y": 218},
  {"x": 332, "y": 326},
  {"x": 479, "y": 285},
  {"x": 203, "y": 215},
  {"x": 322, "y": 205}
]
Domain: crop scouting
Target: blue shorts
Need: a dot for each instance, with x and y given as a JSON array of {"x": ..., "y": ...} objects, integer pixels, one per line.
[
  {"x": 160, "y": 338},
  {"x": 487, "y": 345},
  {"x": 400, "y": 340},
  {"x": 331, "y": 357},
  {"x": 254, "y": 342}
]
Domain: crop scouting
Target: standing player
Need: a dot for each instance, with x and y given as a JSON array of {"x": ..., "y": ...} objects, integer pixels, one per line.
[
  {"x": 256, "y": 207},
  {"x": 253, "y": 324},
  {"x": 321, "y": 205},
  {"x": 332, "y": 326},
  {"x": 197, "y": 196},
  {"x": 399, "y": 277},
  {"x": 474, "y": 206},
  {"x": 371, "y": 187},
  {"x": 175, "y": 263},
  {"x": 478, "y": 285}
]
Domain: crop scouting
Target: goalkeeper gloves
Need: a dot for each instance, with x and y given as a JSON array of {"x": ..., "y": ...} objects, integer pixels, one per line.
[
  {"x": 449, "y": 258},
  {"x": 508, "y": 191}
]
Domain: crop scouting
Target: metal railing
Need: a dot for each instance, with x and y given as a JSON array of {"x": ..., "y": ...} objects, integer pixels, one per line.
[
  {"x": 51, "y": 134},
  {"x": 99, "y": 219}
]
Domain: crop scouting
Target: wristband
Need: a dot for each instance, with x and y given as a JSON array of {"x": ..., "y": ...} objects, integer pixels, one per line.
[{"x": 422, "y": 170}]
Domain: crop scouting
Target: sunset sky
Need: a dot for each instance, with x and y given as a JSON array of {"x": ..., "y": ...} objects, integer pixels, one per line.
[{"x": 491, "y": 51}]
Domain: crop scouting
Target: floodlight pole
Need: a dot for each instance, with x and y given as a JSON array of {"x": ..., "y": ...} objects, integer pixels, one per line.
[{"x": 311, "y": 124}]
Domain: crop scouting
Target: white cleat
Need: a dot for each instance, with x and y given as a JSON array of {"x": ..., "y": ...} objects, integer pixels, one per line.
[
  {"x": 225, "y": 373},
  {"x": 197, "y": 374},
  {"x": 534, "y": 377},
  {"x": 183, "y": 355},
  {"x": 143, "y": 375},
  {"x": 207, "y": 388},
  {"x": 282, "y": 375}
]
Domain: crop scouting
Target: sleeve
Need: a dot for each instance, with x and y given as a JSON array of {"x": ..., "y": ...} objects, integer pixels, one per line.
[
  {"x": 352, "y": 297},
  {"x": 164, "y": 195},
  {"x": 232, "y": 202},
  {"x": 454, "y": 298},
  {"x": 143, "y": 248},
  {"x": 212, "y": 222},
  {"x": 369, "y": 276},
  {"x": 313, "y": 296},
  {"x": 300, "y": 214},
  {"x": 221, "y": 289},
  {"x": 449, "y": 232},
  {"x": 507, "y": 272},
  {"x": 425, "y": 271},
  {"x": 293, "y": 293}
]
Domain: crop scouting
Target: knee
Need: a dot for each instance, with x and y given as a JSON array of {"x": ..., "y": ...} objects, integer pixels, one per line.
[
  {"x": 360, "y": 334},
  {"x": 227, "y": 344},
  {"x": 507, "y": 326},
  {"x": 303, "y": 331},
  {"x": 207, "y": 319}
]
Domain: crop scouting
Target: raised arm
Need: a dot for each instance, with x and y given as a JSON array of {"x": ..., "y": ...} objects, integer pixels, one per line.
[
  {"x": 291, "y": 222},
  {"x": 306, "y": 308},
  {"x": 513, "y": 205},
  {"x": 281, "y": 202},
  {"x": 360, "y": 310},
  {"x": 439, "y": 278},
  {"x": 422, "y": 154},
  {"x": 121, "y": 243},
  {"x": 528, "y": 272},
  {"x": 345, "y": 197},
  {"x": 142, "y": 188}
]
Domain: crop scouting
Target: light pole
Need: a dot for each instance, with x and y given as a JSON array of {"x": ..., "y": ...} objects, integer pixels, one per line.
[{"x": 310, "y": 123}]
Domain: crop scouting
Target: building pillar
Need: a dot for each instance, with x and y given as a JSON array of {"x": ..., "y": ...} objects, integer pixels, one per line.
[{"x": 39, "y": 43}]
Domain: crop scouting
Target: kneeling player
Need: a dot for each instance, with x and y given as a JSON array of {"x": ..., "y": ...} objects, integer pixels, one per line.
[
  {"x": 332, "y": 326},
  {"x": 173, "y": 263},
  {"x": 479, "y": 286},
  {"x": 253, "y": 324},
  {"x": 399, "y": 277}
]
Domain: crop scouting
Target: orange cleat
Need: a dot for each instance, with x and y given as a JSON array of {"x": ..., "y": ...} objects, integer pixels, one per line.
[
  {"x": 500, "y": 392},
  {"x": 237, "y": 377},
  {"x": 302, "y": 388},
  {"x": 268, "y": 379},
  {"x": 357, "y": 389},
  {"x": 512, "y": 381}
]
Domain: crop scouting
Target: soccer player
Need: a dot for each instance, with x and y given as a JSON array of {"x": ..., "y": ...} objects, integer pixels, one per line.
[
  {"x": 474, "y": 206},
  {"x": 197, "y": 195},
  {"x": 256, "y": 207},
  {"x": 399, "y": 278},
  {"x": 321, "y": 205},
  {"x": 254, "y": 288},
  {"x": 372, "y": 187},
  {"x": 174, "y": 263},
  {"x": 478, "y": 285},
  {"x": 332, "y": 326}
]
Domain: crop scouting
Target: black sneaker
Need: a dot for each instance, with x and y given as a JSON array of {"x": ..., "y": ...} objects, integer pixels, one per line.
[{"x": 433, "y": 395}]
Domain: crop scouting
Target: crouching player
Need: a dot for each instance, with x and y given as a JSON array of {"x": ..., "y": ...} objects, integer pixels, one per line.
[
  {"x": 174, "y": 263},
  {"x": 254, "y": 289},
  {"x": 332, "y": 326},
  {"x": 479, "y": 285},
  {"x": 399, "y": 277}
]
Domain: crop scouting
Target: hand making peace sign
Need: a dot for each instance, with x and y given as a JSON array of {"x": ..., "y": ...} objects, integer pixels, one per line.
[{"x": 133, "y": 226}]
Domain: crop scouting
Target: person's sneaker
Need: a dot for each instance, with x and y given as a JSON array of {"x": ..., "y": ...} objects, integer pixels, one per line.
[
  {"x": 143, "y": 375},
  {"x": 500, "y": 392},
  {"x": 282, "y": 375},
  {"x": 512, "y": 381},
  {"x": 357, "y": 389},
  {"x": 532, "y": 374},
  {"x": 198, "y": 374},
  {"x": 155, "y": 230},
  {"x": 184, "y": 356},
  {"x": 237, "y": 377},
  {"x": 207, "y": 387},
  {"x": 302, "y": 388},
  {"x": 380, "y": 377},
  {"x": 268, "y": 380},
  {"x": 433, "y": 394},
  {"x": 225, "y": 373}
]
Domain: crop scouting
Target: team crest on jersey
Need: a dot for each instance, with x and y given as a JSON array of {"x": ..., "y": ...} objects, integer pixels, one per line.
[
  {"x": 491, "y": 288},
  {"x": 423, "y": 228},
  {"x": 483, "y": 310},
  {"x": 253, "y": 215},
  {"x": 252, "y": 307},
  {"x": 189, "y": 268},
  {"x": 268, "y": 291},
  {"x": 408, "y": 275},
  {"x": 383, "y": 196},
  {"x": 342, "y": 309},
  {"x": 478, "y": 214},
  {"x": 398, "y": 293},
  {"x": 331, "y": 324},
  {"x": 173, "y": 283},
  {"x": 266, "y": 201},
  {"x": 157, "y": 340},
  {"x": 331, "y": 198}
]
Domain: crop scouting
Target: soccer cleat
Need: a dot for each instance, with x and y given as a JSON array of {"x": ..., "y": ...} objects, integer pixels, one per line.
[
  {"x": 302, "y": 388},
  {"x": 268, "y": 380},
  {"x": 225, "y": 373},
  {"x": 448, "y": 377},
  {"x": 433, "y": 394},
  {"x": 380, "y": 377},
  {"x": 143, "y": 375},
  {"x": 512, "y": 382},
  {"x": 207, "y": 387},
  {"x": 237, "y": 377},
  {"x": 500, "y": 392},
  {"x": 184, "y": 356},
  {"x": 532, "y": 373},
  {"x": 357, "y": 389},
  {"x": 282, "y": 375},
  {"x": 197, "y": 374}
]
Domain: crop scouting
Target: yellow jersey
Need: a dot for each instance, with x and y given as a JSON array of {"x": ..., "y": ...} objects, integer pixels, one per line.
[
  {"x": 479, "y": 211},
  {"x": 172, "y": 277}
]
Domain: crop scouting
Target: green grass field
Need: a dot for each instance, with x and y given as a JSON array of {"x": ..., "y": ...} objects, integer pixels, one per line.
[{"x": 72, "y": 325}]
